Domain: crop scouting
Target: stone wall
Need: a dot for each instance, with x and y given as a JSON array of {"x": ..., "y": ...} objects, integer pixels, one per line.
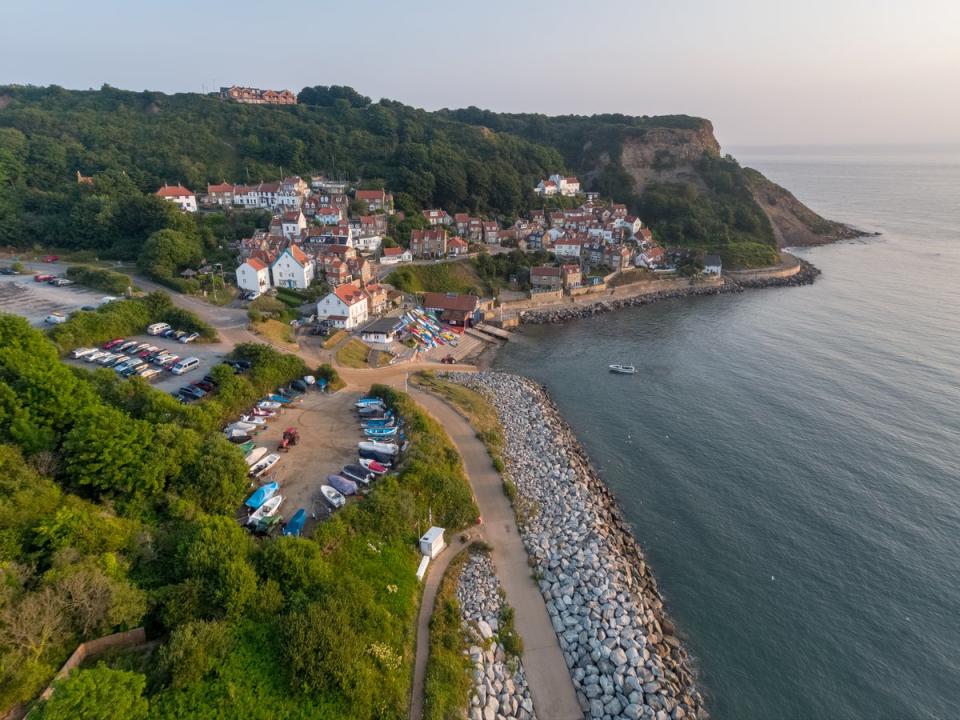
[{"x": 789, "y": 266}]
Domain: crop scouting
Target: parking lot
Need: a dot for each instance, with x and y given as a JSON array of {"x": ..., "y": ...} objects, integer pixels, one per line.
[
  {"x": 208, "y": 354},
  {"x": 21, "y": 295}
]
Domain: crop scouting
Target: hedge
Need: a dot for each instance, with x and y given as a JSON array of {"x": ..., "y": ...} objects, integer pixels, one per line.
[{"x": 108, "y": 281}]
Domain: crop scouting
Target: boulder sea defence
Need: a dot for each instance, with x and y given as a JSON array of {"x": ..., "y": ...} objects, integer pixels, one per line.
[{"x": 623, "y": 651}]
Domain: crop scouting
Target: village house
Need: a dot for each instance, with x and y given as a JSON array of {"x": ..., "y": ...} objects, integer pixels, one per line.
[
  {"x": 567, "y": 247},
  {"x": 179, "y": 196},
  {"x": 547, "y": 188},
  {"x": 491, "y": 232},
  {"x": 256, "y": 96},
  {"x": 712, "y": 265},
  {"x": 428, "y": 243},
  {"x": 327, "y": 215},
  {"x": 376, "y": 298},
  {"x": 457, "y": 246},
  {"x": 462, "y": 221},
  {"x": 545, "y": 277},
  {"x": 437, "y": 217},
  {"x": 474, "y": 229},
  {"x": 293, "y": 223},
  {"x": 325, "y": 184},
  {"x": 566, "y": 186},
  {"x": 293, "y": 269},
  {"x": 395, "y": 255},
  {"x": 342, "y": 252},
  {"x": 253, "y": 275},
  {"x": 360, "y": 269},
  {"x": 571, "y": 275},
  {"x": 220, "y": 195},
  {"x": 651, "y": 257},
  {"x": 617, "y": 257},
  {"x": 346, "y": 307},
  {"x": 376, "y": 200},
  {"x": 451, "y": 308},
  {"x": 336, "y": 271}
]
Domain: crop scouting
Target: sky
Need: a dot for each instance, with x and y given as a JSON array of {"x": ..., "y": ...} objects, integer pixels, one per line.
[{"x": 816, "y": 72}]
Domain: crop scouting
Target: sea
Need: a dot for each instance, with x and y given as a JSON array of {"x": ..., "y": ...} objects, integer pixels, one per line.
[{"x": 790, "y": 457}]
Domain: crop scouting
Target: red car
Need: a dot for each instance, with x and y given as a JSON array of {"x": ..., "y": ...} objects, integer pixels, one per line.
[
  {"x": 51, "y": 258},
  {"x": 43, "y": 278},
  {"x": 112, "y": 344}
]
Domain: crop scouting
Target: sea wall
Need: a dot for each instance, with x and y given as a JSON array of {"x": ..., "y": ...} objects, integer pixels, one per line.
[
  {"x": 789, "y": 265},
  {"x": 621, "y": 648}
]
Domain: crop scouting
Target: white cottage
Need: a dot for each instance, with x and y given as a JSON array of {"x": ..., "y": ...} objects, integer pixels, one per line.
[
  {"x": 293, "y": 269},
  {"x": 253, "y": 275},
  {"x": 346, "y": 307}
]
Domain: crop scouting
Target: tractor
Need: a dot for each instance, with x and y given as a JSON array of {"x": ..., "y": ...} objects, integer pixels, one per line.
[{"x": 290, "y": 437}]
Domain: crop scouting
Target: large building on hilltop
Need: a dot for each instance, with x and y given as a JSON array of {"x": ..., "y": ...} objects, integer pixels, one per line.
[{"x": 256, "y": 96}]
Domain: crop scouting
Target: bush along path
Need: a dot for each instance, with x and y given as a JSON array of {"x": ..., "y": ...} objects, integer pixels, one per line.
[{"x": 499, "y": 683}]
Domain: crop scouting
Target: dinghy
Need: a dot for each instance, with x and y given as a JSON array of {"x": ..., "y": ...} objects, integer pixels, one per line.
[
  {"x": 377, "y": 468},
  {"x": 261, "y": 495},
  {"x": 268, "y": 405},
  {"x": 264, "y": 465},
  {"x": 255, "y": 456},
  {"x": 241, "y": 425},
  {"x": 266, "y": 510},
  {"x": 380, "y": 432},
  {"x": 295, "y": 526},
  {"x": 332, "y": 496},
  {"x": 253, "y": 419},
  {"x": 365, "y": 401}
]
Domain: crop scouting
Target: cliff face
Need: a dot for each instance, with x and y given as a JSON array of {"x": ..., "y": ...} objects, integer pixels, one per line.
[{"x": 794, "y": 224}]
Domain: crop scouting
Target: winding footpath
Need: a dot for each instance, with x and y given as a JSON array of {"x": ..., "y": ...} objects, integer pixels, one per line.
[{"x": 551, "y": 687}]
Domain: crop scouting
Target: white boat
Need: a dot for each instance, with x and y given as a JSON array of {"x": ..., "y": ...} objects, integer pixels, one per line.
[
  {"x": 373, "y": 466},
  {"x": 264, "y": 465},
  {"x": 268, "y": 405},
  {"x": 379, "y": 447},
  {"x": 332, "y": 496},
  {"x": 268, "y": 508},
  {"x": 253, "y": 419},
  {"x": 240, "y": 425},
  {"x": 623, "y": 369},
  {"x": 255, "y": 456}
]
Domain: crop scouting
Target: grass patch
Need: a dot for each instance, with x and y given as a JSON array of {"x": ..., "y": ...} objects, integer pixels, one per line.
[
  {"x": 455, "y": 277},
  {"x": 353, "y": 354},
  {"x": 330, "y": 374},
  {"x": 276, "y": 331},
  {"x": 631, "y": 276},
  {"x": 447, "y": 684},
  {"x": 478, "y": 410},
  {"x": 334, "y": 339}
]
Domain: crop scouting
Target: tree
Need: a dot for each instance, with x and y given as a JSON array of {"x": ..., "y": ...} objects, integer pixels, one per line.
[
  {"x": 194, "y": 649},
  {"x": 166, "y": 252},
  {"x": 97, "y": 694},
  {"x": 217, "y": 479}
]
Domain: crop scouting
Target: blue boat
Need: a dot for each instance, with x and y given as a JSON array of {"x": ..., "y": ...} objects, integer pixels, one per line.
[
  {"x": 368, "y": 401},
  {"x": 283, "y": 399},
  {"x": 261, "y": 495},
  {"x": 295, "y": 525},
  {"x": 380, "y": 432},
  {"x": 344, "y": 486},
  {"x": 383, "y": 422}
]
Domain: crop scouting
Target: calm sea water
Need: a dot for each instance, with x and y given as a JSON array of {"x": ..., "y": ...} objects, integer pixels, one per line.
[{"x": 790, "y": 457}]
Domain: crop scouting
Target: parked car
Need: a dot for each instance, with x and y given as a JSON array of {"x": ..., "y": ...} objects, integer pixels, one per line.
[
  {"x": 60, "y": 282},
  {"x": 79, "y": 352},
  {"x": 148, "y": 350},
  {"x": 107, "y": 359},
  {"x": 179, "y": 334},
  {"x": 55, "y": 318},
  {"x": 191, "y": 391},
  {"x": 168, "y": 365},
  {"x": 111, "y": 344},
  {"x": 189, "y": 338},
  {"x": 94, "y": 356},
  {"x": 107, "y": 299},
  {"x": 169, "y": 333},
  {"x": 158, "y": 328},
  {"x": 205, "y": 386},
  {"x": 131, "y": 369},
  {"x": 150, "y": 373},
  {"x": 51, "y": 258},
  {"x": 120, "y": 359},
  {"x": 9, "y": 271},
  {"x": 209, "y": 379},
  {"x": 42, "y": 277}
]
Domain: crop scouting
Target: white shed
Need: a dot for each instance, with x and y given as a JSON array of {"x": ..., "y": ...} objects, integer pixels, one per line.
[{"x": 432, "y": 544}]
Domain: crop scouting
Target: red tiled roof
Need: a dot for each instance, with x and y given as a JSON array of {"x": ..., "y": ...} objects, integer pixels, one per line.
[
  {"x": 370, "y": 194},
  {"x": 457, "y": 242},
  {"x": 442, "y": 301},
  {"x": 298, "y": 254},
  {"x": 256, "y": 264},
  {"x": 349, "y": 294},
  {"x": 173, "y": 191},
  {"x": 222, "y": 187},
  {"x": 545, "y": 272},
  {"x": 393, "y": 252}
]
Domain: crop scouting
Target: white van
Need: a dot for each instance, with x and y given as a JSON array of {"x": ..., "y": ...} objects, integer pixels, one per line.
[
  {"x": 157, "y": 328},
  {"x": 185, "y": 366}
]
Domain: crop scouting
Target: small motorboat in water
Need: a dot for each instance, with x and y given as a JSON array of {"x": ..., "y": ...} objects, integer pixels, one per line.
[{"x": 623, "y": 369}]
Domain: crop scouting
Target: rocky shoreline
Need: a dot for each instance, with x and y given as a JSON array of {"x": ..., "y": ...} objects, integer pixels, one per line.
[
  {"x": 500, "y": 690},
  {"x": 621, "y": 648},
  {"x": 805, "y": 276}
]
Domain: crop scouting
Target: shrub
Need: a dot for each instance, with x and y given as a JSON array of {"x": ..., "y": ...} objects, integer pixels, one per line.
[
  {"x": 329, "y": 373},
  {"x": 99, "y": 279}
]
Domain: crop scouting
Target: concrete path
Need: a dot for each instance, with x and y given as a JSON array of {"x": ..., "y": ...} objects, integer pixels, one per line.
[
  {"x": 554, "y": 697},
  {"x": 431, "y": 585}
]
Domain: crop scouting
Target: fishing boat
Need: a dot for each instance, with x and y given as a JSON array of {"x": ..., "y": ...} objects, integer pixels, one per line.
[
  {"x": 623, "y": 369},
  {"x": 381, "y": 432},
  {"x": 269, "y": 507},
  {"x": 255, "y": 456},
  {"x": 295, "y": 526},
  {"x": 261, "y": 495},
  {"x": 264, "y": 465},
  {"x": 383, "y": 448},
  {"x": 342, "y": 485},
  {"x": 377, "y": 468},
  {"x": 334, "y": 497}
]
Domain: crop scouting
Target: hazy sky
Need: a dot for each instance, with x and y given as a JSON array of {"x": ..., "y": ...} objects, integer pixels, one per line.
[{"x": 819, "y": 71}]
